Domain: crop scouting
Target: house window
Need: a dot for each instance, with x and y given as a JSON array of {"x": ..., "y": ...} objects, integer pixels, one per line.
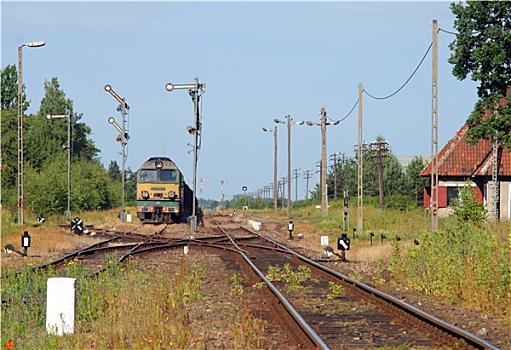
[{"x": 453, "y": 196}]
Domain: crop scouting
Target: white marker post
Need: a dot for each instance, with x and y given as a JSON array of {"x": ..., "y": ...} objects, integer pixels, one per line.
[{"x": 60, "y": 305}]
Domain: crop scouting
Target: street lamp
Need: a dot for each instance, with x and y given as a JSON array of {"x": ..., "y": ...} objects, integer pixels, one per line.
[
  {"x": 20, "y": 127},
  {"x": 275, "y": 180},
  {"x": 195, "y": 91},
  {"x": 124, "y": 137},
  {"x": 323, "y": 124},
  {"x": 67, "y": 147},
  {"x": 299, "y": 122}
]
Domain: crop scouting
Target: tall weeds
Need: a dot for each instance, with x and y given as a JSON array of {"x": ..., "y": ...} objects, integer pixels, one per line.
[
  {"x": 466, "y": 262},
  {"x": 123, "y": 308}
]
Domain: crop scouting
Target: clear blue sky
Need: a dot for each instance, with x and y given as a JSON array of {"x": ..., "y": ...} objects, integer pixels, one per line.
[{"x": 259, "y": 61}]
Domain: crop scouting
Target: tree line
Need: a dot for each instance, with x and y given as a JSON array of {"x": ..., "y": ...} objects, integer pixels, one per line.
[
  {"x": 481, "y": 49},
  {"x": 403, "y": 189},
  {"x": 45, "y": 155}
]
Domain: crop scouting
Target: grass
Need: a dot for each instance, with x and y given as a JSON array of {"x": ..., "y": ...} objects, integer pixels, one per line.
[
  {"x": 460, "y": 263},
  {"x": 107, "y": 314},
  {"x": 463, "y": 264}
]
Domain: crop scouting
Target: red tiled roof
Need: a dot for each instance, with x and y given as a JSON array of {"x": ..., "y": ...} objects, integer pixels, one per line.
[{"x": 459, "y": 158}]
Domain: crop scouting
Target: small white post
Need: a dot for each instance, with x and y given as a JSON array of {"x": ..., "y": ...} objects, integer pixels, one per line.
[{"x": 60, "y": 305}]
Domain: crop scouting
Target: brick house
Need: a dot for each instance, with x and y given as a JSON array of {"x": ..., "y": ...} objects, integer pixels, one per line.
[{"x": 458, "y": 161}]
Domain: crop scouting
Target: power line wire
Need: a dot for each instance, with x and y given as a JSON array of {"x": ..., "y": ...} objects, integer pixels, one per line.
[
  {"x": 347, "y": 115},
  {"x": 448, "y": 32},
  {"x": 406, "y": 82}
]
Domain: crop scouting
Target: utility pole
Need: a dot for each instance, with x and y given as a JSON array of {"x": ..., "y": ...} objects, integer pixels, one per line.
[
  {"x": 283, "y": 182},
  {"x": 275, "y": 179},
  {"x": 318, "y": 165},
  {"x": 324, "y": 198},
  {"x": 378, "y": 150},
  {"x": 323, "y": 124},
  {"x": 21, "y": 180},
  {"x": 495, "y": 182},
  {"x": 201, "y": 181},
  {"x": 434, "y": 130},
  {"x": 295, "y": 176},
  {"x": 307, "y": 174},
  {"x": 360, "y": 209},
  {"x": 289, "y": 123},
  {"x": 334, "y": 155},
  {"x": 222, "y": 192}
]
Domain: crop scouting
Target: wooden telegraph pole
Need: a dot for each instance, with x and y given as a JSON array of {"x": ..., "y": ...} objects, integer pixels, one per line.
[
  {"x": 359, "y": 154},
  {"x": 434, "y": 130}
]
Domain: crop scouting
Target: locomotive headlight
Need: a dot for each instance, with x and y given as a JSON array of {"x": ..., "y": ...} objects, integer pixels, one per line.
[
  {"x": 145, "y": 194},
  {"x": 172, "y": 194}
]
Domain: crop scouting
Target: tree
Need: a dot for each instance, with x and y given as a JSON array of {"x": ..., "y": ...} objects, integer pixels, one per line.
[
  {"x": 483, "y": 49},
  {"x": 468, "y": 208},
  {"x": 393, "y": 176},
  {"x": 413, "y": 184},
  {"x": 346, "y": 172},
  {"x": 9, "y": 94},
  {"x": 9, "y": 130},
  {"x": 114, "y": 171},
  {"x": 130, "y": 185},
  {"x": 45, "y": 138}
]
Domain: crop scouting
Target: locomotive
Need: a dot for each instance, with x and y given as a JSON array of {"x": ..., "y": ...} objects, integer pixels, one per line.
[{"x": 162, "y": 193}]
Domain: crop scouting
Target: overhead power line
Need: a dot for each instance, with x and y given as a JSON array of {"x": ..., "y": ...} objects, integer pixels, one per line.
[{"x": 406, "y": 82}]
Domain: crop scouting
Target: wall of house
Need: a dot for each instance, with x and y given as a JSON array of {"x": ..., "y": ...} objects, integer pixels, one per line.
[
  {"x": 442, "y": 197},
  {"x": 484, "y": 195},
  {"x": 505, "y": 200}
]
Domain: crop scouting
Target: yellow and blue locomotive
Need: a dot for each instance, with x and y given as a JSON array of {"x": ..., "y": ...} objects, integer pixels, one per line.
[{"x": 162, "y": 193}]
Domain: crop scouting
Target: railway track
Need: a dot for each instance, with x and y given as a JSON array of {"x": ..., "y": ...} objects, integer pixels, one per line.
[
  {"x": 330, "y": 310},
  {"x": 326, "y": 310},
  {"x": 119, "y": 244}
]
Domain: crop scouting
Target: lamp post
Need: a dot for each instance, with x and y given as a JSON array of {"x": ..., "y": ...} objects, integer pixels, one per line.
[
  {"x": 195, "y": 92},
  {"x": 289, "y": 123},
  {"x": 123, "y": 107},
  {"x": 275, "y": 180},
  {"x": 323, "y": 124},
  {"x": 67, "y": 147},
  {"x": 20, "y": 127}
]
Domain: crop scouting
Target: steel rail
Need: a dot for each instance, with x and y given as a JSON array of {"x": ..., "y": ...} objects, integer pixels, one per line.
[
  {"x": 444, "y": 326},
  {"x": 309, "y": 332}
]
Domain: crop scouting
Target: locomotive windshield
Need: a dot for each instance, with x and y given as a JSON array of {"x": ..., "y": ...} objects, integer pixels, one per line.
[
  {"x": 148, "y": 175},
  {"x": 163, "y": 175},
  {"x": 168, "y": 175}
]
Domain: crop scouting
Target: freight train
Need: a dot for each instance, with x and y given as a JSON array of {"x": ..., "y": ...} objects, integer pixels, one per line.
[{"x": 162, "y": 193}]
